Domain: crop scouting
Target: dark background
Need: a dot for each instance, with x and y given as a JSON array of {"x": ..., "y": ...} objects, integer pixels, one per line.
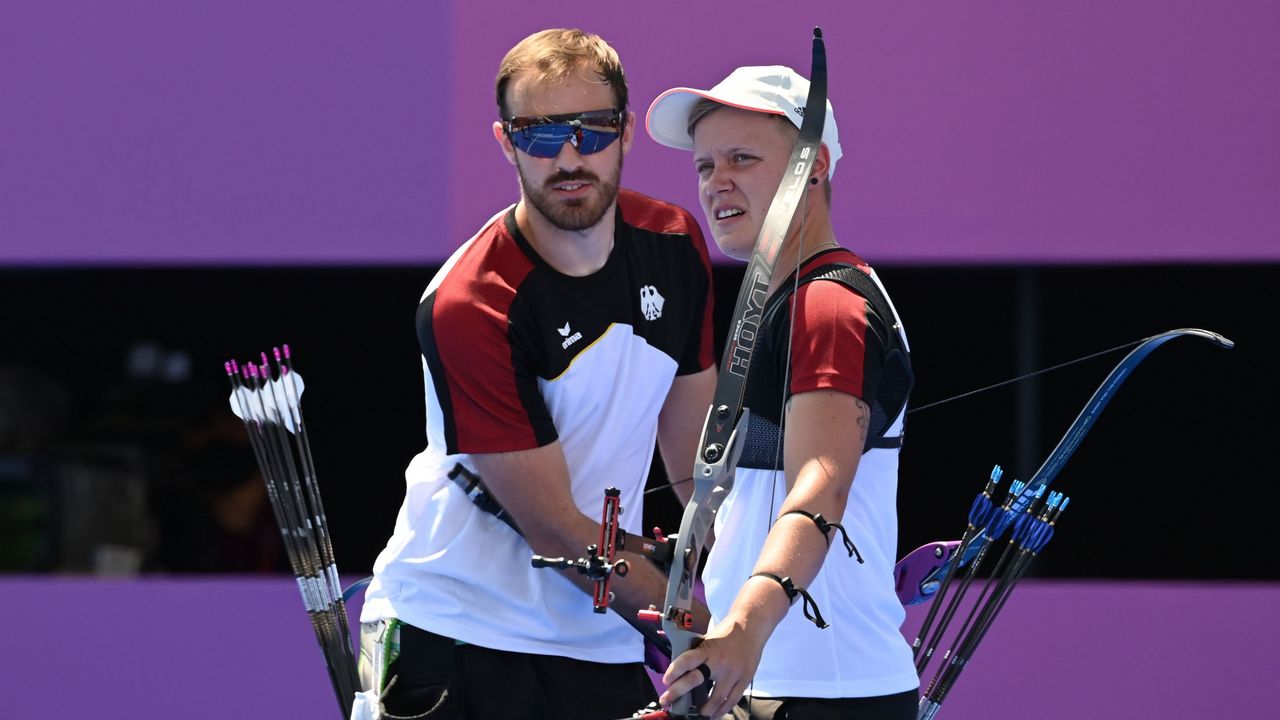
[{"x": 115, "y": 428}]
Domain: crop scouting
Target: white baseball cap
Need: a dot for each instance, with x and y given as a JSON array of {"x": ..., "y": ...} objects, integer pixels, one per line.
[{"x": 774, "y": 89}]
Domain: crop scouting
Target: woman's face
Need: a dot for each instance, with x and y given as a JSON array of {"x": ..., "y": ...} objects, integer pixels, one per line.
[{"x": 740, "y": 157}]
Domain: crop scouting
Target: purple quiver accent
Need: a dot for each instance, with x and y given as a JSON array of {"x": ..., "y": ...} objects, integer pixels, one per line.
[{"x": 910, "y": 572}]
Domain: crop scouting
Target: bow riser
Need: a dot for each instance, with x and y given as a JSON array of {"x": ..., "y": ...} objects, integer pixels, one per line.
[{"x": 712, "y": 483}]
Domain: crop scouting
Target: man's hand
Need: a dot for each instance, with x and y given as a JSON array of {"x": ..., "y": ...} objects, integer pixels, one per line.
[{"x": 533, "y": 487}]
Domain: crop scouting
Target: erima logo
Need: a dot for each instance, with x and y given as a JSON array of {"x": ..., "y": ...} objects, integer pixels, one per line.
[
  {"x": 569, "y": 339},
  {"x": 651, "y": 302}
]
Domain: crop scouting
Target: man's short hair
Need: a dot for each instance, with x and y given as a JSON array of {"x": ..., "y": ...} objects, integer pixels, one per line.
[{"x": 555, "y": 54}]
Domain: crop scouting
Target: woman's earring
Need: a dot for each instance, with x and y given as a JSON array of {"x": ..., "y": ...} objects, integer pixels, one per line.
[{"x": 813, "y": 181}]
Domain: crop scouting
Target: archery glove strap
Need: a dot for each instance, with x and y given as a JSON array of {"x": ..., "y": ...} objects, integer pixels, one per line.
[
  {"x": 810, "y": 607},
  {"x": 825, "y": 528}
]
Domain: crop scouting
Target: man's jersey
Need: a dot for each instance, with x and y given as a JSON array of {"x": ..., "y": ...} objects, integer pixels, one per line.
[
  {"x": 838, "y": 343},
  {"x": 517, "y": 355}
]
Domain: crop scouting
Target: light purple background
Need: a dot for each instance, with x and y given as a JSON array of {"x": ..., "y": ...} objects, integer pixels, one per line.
[
  {"x": 173, "y": 132},
  {"x": 218, "y": 649}
]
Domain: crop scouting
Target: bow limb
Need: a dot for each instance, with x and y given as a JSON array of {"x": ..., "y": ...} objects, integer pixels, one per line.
[
  {"x": 1098, "y": 402},
  {"x": 725, "y": 426},
  {"x": 1066, "y": 447}
]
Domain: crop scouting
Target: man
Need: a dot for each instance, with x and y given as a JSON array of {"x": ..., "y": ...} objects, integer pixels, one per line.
[
  {"x": 558, "y": 343},
  {"x": 827, "y": 387}
]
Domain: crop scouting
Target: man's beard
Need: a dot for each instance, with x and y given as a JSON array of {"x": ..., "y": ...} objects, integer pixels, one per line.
[{"x": 575, "y": 214}]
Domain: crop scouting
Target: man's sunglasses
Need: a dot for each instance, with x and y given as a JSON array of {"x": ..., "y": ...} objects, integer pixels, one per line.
[{"x": 543, "y": 135}]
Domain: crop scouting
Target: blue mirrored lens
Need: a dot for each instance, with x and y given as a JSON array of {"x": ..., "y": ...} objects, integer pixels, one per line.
[
  {"x": 545, "y": 140},
  {"x": 593, "y": 141}
]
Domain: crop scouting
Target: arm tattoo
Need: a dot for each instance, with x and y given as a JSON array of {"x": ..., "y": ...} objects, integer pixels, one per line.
[{"x": 864, "y": 419}]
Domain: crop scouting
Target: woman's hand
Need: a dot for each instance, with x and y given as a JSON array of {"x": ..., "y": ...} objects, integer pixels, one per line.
[
  {"x": 731, "y": 653},
  {"x": 821, "y": 462}
]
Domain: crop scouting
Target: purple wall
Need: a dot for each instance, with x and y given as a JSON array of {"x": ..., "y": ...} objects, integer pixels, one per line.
[
  {"x": 325, "y": 132},
  {"x": 216, "y": 649},
  {"x": 232, "y": 131}
]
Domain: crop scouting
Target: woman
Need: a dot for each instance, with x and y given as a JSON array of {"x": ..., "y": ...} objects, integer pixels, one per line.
[{"x": 829, "y": 375}]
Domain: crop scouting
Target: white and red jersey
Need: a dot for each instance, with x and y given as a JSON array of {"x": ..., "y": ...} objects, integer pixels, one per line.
[
  {"x": 517, "y": 355},
  {"x": 838, "y": 343}
]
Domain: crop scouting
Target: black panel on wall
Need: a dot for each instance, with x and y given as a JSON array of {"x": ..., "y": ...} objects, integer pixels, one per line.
[{"x": 123, "y": 367}]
